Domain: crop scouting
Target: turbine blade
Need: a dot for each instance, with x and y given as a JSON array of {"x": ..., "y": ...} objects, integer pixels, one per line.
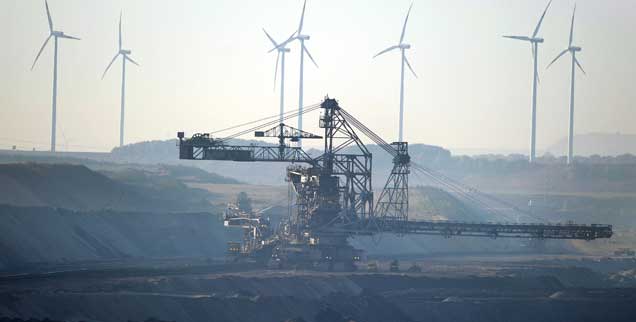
[
  {"x": 386, "y": 50},
  {"x": 406, "y": 60},
  {"x": 130, "y": 60},
  {"x": 270, "y": 39},
  {"x": 302, "y": 18},
  {"x": 557, "y": 57},
  {"x": 120, "y": 30},
  {"x": 48, "y": 15},
  {"x": 291, "y": 37},
  {"x": 536, "y": 29},
  {"x": 579, "y": 65},
  {"x": 405, "y": 21},
  {"x": 111, "y": 63},
  {"x": 40, "y": 52},
  {"x": 284, "y": 43},
  {"x": 524, "y": 38},
  {"x": 276, "y": 71},
  {"x": 310, "y": 57},
  {"x": 69, "y": 37},
  {"x": 572, "y": 27}
]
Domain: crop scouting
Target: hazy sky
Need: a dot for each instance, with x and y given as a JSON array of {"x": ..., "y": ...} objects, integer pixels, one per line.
[{"x": 205, "y": 66}]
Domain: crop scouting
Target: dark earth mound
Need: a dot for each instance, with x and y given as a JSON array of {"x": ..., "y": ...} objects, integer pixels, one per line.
[{"x": 314, "y": 297}]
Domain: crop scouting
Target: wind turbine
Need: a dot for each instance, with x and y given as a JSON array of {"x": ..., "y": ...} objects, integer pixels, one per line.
[
  {"x": 402, "y": 46},
  {"x": 573, "y": 50},
  {"x": 534, "y": 42},
  {"x": 301, "y": 37},
  {"x": 125, "y": 57},
  {"x": 55, "y": 34},
  {"x": 282, "y": 50}
]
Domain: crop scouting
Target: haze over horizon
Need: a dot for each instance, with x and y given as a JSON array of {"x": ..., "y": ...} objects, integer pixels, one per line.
[{"x": 205, "y": 66}]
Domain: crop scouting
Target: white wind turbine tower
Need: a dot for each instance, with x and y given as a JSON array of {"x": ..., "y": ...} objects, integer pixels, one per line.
[
  {"x": 282, "y": 50},
  {"x": 573, "y": 50},
  {"x": 402, "y": 46},
  {"x": 125, "y": 57},
  {"x": 55, "y": 34},
  {"x": 301, "y": 37},
  {"x": 534, "y": 42}
]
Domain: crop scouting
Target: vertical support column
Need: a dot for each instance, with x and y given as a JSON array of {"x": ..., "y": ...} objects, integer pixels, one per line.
[
  {"x": 123, "y": 99},
  {"x": 282, "y": 86},
  {"x": 54, "y": 112},
  {"x": 533, "y": 138},
  {"x": 281, "y": 141},
  {"x": 401, "y": 125},
  {"x": 571, "y": 127},
  {"x": 301, "y": 89}
]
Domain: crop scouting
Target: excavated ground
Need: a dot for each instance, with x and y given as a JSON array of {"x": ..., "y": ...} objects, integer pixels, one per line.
[
  {"x": 76, "y": 245},
  {"x": 448, "y": 290}
]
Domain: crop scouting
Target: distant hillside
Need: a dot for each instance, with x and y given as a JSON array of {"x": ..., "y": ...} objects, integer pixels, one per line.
[
  {"x": 487, "y": 172},
  {"x": 78, "y": 187},
  {"x": 166, "y": 152},
  {"x": 148, "y": 152},
  {"x": 160, "y": 174},
  {"x": 604, "y": 144},
  {"x": 156, "y": 162},
  {"x": 429, "y": 203},
  {"x": 107, "y": 163}
]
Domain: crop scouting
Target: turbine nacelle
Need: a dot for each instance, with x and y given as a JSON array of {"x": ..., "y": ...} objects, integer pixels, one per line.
[
  {"x": 125, "y": 54},
  {"x": 404, "y": 46},
  {"x": 283, "y": 49},
  {"x": 572, "y": 50},
  {"x": 52, "y": 33},
  {"x": 303, "y": 50},
  {"x": 534, "y": 40}
]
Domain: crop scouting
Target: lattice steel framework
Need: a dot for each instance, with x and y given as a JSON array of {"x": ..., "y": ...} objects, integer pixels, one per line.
[
  {"x": 393, "y": 203},
  {"x": 334, "y": 194}
]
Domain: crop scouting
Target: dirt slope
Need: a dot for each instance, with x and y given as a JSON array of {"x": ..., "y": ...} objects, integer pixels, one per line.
[
  {"x": 30, "y": 235},
  {"x": 78, "y": 187}
]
